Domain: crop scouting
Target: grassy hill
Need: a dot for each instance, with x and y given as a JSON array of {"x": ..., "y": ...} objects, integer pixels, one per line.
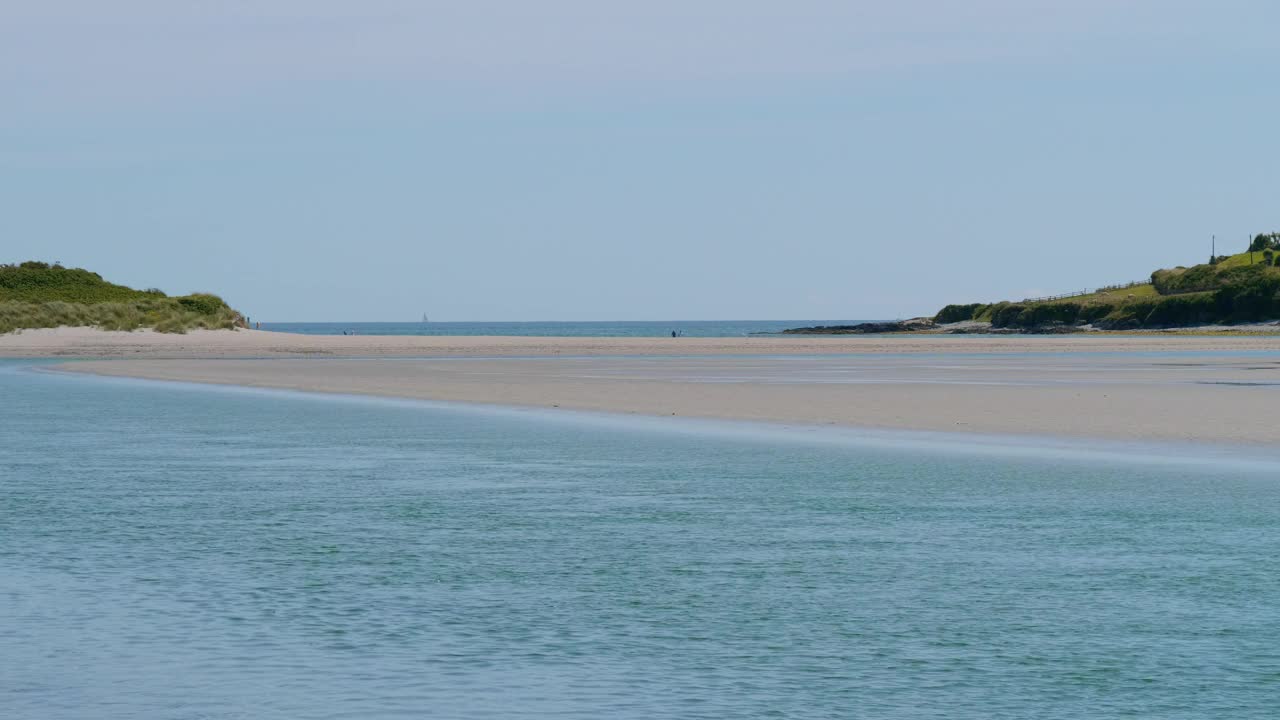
[
  {"x": 36, "y": 295},
  {"x": 1230, "y": 289}
]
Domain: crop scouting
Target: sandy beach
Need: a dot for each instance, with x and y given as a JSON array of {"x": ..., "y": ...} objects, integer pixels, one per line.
[
  {"x": 79, "y": 342},
  {"x": 1113, "y": 387}
]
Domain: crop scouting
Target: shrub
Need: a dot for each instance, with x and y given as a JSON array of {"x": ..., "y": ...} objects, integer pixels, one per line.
[
  {"x": 1194, "y": 279},
  {"x": 1005, "y": 314},
  {"x": 1264, "y": 241},
  {"x": 202, "y": 303},
  {"x": 1027, "y": 316},
  {"x": 1094, "y": 312},
  {"x": 1249, "y": 296},
  {"x": 1060, "y": 313},
  {"x": 1189, "y": 309},
  {"x": 39, "y": 282},
  {"x": 1127, "y": 316},
  {"x": 958, "y": 313},
  {"x": 1202, "y": 278},
  {"x": 987, "y": 312}
]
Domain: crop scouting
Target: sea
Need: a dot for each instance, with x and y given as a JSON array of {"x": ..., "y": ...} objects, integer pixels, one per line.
[
  {"x": 182, "y": 551},
  {"x": 648, "y": 328}
]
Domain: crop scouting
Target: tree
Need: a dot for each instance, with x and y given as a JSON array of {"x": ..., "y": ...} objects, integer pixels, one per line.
[{"x": 1265, "y": 241}]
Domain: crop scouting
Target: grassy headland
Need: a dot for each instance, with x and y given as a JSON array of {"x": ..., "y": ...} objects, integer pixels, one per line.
[
  {"x": 40, "y": 295},
  {"x": 1227, "y": 290}
]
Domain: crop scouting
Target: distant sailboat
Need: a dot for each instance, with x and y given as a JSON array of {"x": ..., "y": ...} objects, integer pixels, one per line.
[{"x": 424, "y": 318}]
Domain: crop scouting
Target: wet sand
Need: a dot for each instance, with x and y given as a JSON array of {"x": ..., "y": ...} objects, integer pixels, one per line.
[
  {"x": 87, "y": 342},
  {"x": 1165, "y": 394}
]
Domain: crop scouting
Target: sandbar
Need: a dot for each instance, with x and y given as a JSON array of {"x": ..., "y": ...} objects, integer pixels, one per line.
[
  {"x": 90, "y": 343},
  {"x": 1192, "y": 391}
]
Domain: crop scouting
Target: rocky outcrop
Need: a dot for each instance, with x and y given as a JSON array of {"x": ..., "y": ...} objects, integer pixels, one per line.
[{"x": 912, "y": 325}]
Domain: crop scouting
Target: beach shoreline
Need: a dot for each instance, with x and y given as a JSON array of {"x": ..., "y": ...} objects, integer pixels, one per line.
[
  {"x": 1201, "y": 397},
  {"x": 80, "y": 342}
]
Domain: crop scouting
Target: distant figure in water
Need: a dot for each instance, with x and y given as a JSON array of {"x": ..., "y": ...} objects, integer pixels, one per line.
[
  {"x": 673, "y": 333},
  {"x": 257, "y": 326}
]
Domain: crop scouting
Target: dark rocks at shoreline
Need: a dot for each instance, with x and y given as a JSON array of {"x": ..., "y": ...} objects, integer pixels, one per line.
[
  {"x": 872, "y": 328},
  {"x": 928, "y": 325}
]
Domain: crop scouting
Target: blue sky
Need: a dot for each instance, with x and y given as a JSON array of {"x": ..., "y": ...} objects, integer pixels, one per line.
[{"x": 569, "y": 159}]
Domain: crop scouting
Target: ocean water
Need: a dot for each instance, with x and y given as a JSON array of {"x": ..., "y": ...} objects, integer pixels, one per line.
[
  {"x": 657, "y": 328},
  {"x": 171, "y": 551}
]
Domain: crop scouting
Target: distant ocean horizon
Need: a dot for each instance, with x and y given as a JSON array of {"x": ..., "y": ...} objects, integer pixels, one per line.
[{"x": 586, "y": 328}]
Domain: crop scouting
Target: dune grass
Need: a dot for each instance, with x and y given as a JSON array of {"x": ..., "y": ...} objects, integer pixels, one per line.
[
  {"x": 163, "y": 314},
  {"x": 39, "y": 295}
]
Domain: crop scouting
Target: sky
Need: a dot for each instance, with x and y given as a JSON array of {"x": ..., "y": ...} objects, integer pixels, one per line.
[{"x": 315, "y": 160}]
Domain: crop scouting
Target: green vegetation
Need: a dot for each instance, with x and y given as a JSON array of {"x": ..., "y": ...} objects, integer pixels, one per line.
[
  {"x": 960, "y": 313},
  {"x": 38, "y": 295},
  {"x": 1238, "y": 288},
  {"x": 1265, "y": 241},
  {"x": 1202, "y": 278}
]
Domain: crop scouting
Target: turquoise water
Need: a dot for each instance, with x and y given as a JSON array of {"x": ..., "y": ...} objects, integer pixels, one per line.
[
  {"x": 656, "y": 328},
  {"x": 168, "y": 551}
]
